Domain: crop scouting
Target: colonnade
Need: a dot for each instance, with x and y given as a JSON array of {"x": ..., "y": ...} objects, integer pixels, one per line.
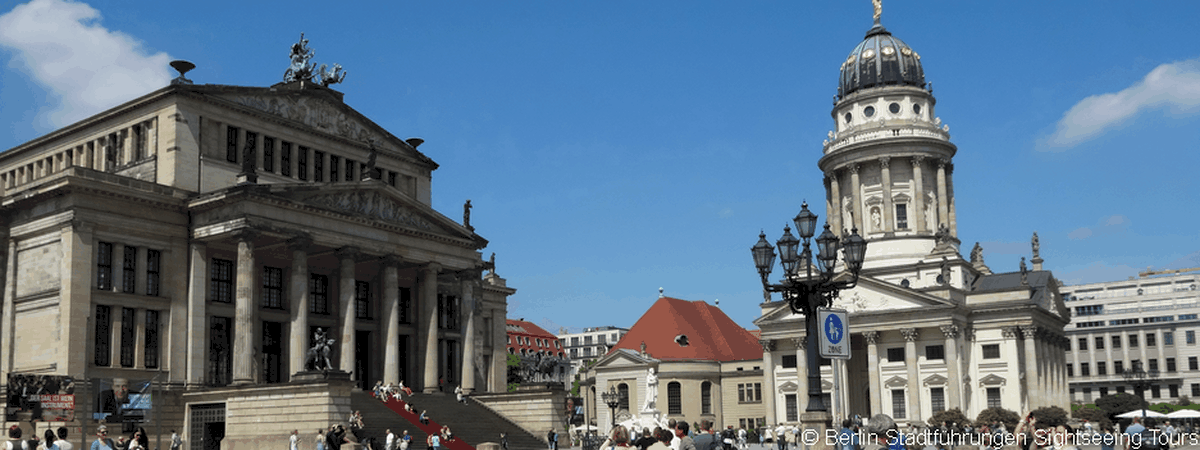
[{"x": 944, "y": 190}]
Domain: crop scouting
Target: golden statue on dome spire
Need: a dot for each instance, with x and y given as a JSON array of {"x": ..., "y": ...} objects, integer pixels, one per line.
[{"x": 878, "y": 9}]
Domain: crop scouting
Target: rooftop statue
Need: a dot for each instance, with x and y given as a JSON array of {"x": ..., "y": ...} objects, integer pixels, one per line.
[
  {"x": 303, "y": 69},
  {"x": 878, "y": 9}
]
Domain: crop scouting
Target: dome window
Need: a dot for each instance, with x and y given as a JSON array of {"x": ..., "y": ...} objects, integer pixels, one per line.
[
  {"x": 888, "y": 51},
  {"x": 894, "y": 108},
  {"x": 848, "y": 117},
  {"x": 906, "y": 51},
  {"x": 917, "y": 108},
  {"x": 868, "y": 53},
  {"x": 869, "y": 111}
]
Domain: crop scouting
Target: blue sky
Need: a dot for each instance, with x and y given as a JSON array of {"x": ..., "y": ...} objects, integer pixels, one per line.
[{"x": 612, "y": 148}]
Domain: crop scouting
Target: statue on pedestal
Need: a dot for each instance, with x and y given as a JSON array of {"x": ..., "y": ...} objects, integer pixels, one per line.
[
  {"x": 318, "y": 355},
  {"x": 651, "y": 390}
]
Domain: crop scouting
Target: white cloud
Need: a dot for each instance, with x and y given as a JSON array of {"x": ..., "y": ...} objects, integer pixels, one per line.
[
  {"x": 1107, "y": 224},
  {"x": 87, "y": 68},
  {"x": 1175, "y": 85}
]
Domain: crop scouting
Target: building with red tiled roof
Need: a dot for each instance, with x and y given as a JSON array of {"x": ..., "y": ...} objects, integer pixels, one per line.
[
  {"x": 706, "y": 367},
  {"x": 525, "y": 338}
]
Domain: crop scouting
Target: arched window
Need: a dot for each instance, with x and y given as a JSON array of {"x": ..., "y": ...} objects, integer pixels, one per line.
[
  {"x": 623, "y": 391},
  {"x": 706, "y": 398},
  {"x": 674, "y": 398}
]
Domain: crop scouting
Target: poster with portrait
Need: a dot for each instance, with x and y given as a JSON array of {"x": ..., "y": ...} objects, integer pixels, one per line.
[
  {"x": 118, "y": 400},
  {"x": 574, "y": 411},
  {"x": 40, "y": 398}
]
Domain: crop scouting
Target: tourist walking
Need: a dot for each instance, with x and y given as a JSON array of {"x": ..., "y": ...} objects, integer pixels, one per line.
[
  {"x": 176, "y": 443},
  {"x": 389, "y": 441},
  {"x": 62, "y": 442},
  {"x": 320, "y": 439},
  {"x": 294, "y": 440}
]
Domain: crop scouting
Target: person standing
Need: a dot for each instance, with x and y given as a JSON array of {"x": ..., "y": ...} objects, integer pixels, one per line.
[
  {"x": 552, "y": 439},
  {"x": 102, "y": 441},
  {"x": 294, "y": 440},
  {"x": 389, "y": 441},
  {"x": 320, "y": 439},
  {"x": 405, "y": 441},
  {"x": 176, "y": 443},
  {"x": 503, "y": 441},
  {"x": 62, "y": 442},
  {"x": 435, "y": 441}
]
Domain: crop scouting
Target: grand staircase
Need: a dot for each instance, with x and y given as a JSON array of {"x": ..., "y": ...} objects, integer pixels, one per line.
[{"x": 470, "y": 424}]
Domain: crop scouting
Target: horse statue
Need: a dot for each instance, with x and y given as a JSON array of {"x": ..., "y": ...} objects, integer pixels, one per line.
[{"x": 318, "y": 355}]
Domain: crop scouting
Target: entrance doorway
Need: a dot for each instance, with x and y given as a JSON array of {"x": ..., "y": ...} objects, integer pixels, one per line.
[
  {"x": 207, "y": 427},
  {"x": 362, "y": 355}
]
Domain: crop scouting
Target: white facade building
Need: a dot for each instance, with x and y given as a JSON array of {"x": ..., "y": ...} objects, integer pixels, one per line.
[{"x": 590, "y": 344}]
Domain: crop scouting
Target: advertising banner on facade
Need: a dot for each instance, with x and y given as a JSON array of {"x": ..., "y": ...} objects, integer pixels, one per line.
[
  {"x": 40, "y": 398},
  {"x": 120, "y": 401}
]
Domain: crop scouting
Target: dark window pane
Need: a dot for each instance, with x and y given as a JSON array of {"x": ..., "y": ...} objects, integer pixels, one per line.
[
  {"x": 103, "y": 338},
  {"x": 129, "y": 270},
  {"x": 272, "y": 293},
  {"x": 128, "y": 326},
  {"x": 221, "y": 287},
  {"x": 153, "y": 272},
  {"x": 104, "y": 277},
  {"x": 231, "y": 141},
  {"x": 151, "y": 339}
]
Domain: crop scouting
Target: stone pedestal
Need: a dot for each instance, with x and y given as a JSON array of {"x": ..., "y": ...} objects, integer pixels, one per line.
[
  {"x": 320, "y": 375},
  {"x": 819, "y": 422}
]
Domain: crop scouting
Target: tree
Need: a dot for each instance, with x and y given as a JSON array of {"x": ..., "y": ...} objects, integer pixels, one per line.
[
  {"x": 513, "y": 366},
  {"x": 1119, "y": 403},
  {"x": 997, "y": 414},
  {"x": 1184, "y": 400},
  {"x": 950, "y": 416},
  {"x": 1050, "y": 416},
  {"x": 1093, "y": 414}
]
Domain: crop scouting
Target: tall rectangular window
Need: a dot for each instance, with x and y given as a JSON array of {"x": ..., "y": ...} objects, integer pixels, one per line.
[
  {"x": 391, "y": 177},
  {"x": 706, "y": 398},
  {"x": 128, "y": 336},
  {"x": 104, "y": 272},
  {"x": 1168, "y": 338},
  {"x": 302, "y": 163},
  {"x": 268, "y": 154},
  {"x": 792, "y": 406},
  {"x": 1070, "y": 370},
  {"x": 1118, "y": 366},
  {"x": 1193, "y": 364},
  {"x": 1170, "y": 364},
  {"x": 1083, "y": 344},
  {"x": 991, "y": 351},
  {"x": 937, "y": 399},
  {"x": 139, "y": 142},
  {"x": 1189, "y": 336},
  {"x": 935, "y": 352},
  {"x": 335, "y": 163},
  {"x": 674, "y": 398},
  {"x": 251, "y": 147},
  {"x": 220, "y": 351},
  {"x": 993, "y": 397},
  {"x": 129, "y": 270},
  {"x": 1195, "y": 389},
  {"x": 1154, "y": 364},
  {"x": 318, "y": 166},
  {"x": 1116, "y": 342},
  {"x": 362, "y": 299},
  {"x": 102, "y": 346},
  {"x": 1173, "y": 390},
  {"x": 221, "y": 281},
  {"x": 1099, "y": 342},
  {"x": 1133, "y": 340},
  {"x": 153, "y": 272},
  {"x": 285, "y": 158},
  {"x": 318, "y": 294},
  {"x": 902, "y": 216},
  {"x": 1151, "y": 340},
  {"x": 406, "y": 305},
  {"x": 231, "y": 143},
  {"x": 350, "y": 165},
  {"x": 1101, "y": 368},
  {"x": 898, "y": 404},
  {"x": 272, "y": 284},
  {"x": 1085, "y": 370},
  {"x": 151, "y": 339}
]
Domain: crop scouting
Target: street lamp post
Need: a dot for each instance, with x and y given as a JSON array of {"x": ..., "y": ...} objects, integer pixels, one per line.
[
  {"x": 804, "y": 290},
  {"x": 1140, "y": 379},
  {"x": 613, "y": 400}
]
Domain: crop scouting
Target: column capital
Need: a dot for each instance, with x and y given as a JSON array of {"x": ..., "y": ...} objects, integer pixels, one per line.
[
  {"x": 885, "y": 161},
  {"x": 801, "y": 342},
  {"x": 1009, "y": 332},
  {"x": 391, "y": 260},
  {"x": 299, "y": 242},
  {"x": 853, "y": 168},
  {"x": 245, "y": 234},
  {"x": 832, "y": 175},
  {"x": 1029, "y": 331},
  {"x": 431, "y": 266},
  {"x": 872, "y": 337},
  {"x": 910, "y": 334},
  {"x": 767, "y": 344},
  {"x": 943, "y": 162},
  {"x": 951, "y": 331},
  {"x": 917, "y": 161}
]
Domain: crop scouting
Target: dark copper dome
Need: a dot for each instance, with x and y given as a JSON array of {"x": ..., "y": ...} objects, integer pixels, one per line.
[{"x": 880, "y": 60}]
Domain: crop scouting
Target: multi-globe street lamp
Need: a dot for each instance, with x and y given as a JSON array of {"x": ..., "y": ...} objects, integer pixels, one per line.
[
  {"x": 613, "y": 399},
  {"x": 1140, "y": 379},
  {"x": 806, "y": 291}
]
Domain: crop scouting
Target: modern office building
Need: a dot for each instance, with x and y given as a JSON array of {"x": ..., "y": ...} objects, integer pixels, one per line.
[
  {"x": 590, "y": 344},
  {"x": 1149, "y": 322}
]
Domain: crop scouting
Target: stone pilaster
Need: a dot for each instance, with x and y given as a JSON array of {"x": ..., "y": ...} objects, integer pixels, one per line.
[
  {"x": 876, "y": 389},
  {"x": 429, "y": 287},
  {"x": 467, "y": 284},
  {"x": 801, "y": 372},
  {"x": 298, "y": 303},
  {"x": 246, "y": 312},
  {"x": 856, "y": 188},
  {"x": 197, "y": 316},
  {"x": 391, "y": 321},
  {"x": 950, "y": 200},
  {"x": 346, "y": 277},
  {"x": 7, "y": 335},
  {"x": 75, "y": 294},
  {"x": 910, "y": 361},
  {"x": 889, "y": 211},
  {"x": 768, "y": 346},
  {"x": 834, "y": 212},
  {"x": 1032, "y": 386},
  {"x": 943, "y": 204},
  {"x": 918, "y": 209},
  {"x": 954, "y": 366}
]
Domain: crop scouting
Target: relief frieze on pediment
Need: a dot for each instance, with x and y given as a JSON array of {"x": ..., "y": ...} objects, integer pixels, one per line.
[
  {"x": 313, "y": 112},
  {"x": 373, "y": 205}
]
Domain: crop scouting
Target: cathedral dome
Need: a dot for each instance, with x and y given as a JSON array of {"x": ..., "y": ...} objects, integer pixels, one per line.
[{"x": 880, "y": 60}]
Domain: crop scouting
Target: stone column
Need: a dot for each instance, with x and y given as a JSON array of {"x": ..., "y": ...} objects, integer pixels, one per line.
[
  {"x": 76, "y": 292},
  {"x": 769, "y": 379},
  {"x": 953, "y": 367},
  {"x": 943, "y": 205},
  {"x": 1032, "y": 388},
  {"x": 834, "y": 213},
  {"x": 197, "y": 316},
  {"x": 246, "y": 313},
  {"x": 801, "y": 373},
  {"x": 872, "y": 338},
  {"x": 7, "y": 336},
  {"x": 346, "y": 262},
  {"x": 391, "y": 319},
  {"x": 469, "y": 279},
  {"x": 910, "y": 361},
  {"x": 950, "y": 200},
  {"x": 1011, "y": 350},
  {"x": 856, "y": 188},
  {"x": 298, "y": 344},
  {"x": 889, "y": 211},
  {"x": 429, "y": 288}
]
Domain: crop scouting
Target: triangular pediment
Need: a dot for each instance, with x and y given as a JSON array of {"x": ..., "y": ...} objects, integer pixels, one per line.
[
  {"x": 621, "y": 359},
  {"x": 992, "y": 380},
  {"x": 896, "y": 382},
  {"x": 320, "y": 112},
  {"x": 869, "y": 296},
  {"x": 788, "y": 387},
  {"x": 935, "y": 380},
  {"x": 375, "y": 201}
]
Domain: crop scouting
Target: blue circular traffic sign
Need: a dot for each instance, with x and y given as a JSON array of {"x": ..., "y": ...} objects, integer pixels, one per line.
[{"x": 834, "y": 329}]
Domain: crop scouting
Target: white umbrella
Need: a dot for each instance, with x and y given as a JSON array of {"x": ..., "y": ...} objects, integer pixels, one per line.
[
  {"x": 1184, "y": 414},
  {"x": 1141, "y": 413}
]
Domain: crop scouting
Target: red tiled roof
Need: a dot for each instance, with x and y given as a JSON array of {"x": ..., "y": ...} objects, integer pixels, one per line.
[
  {"x": 711, "y": 335},
  {"x": 529, "y": 329},
  {"x": 518, "y": 329}
]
